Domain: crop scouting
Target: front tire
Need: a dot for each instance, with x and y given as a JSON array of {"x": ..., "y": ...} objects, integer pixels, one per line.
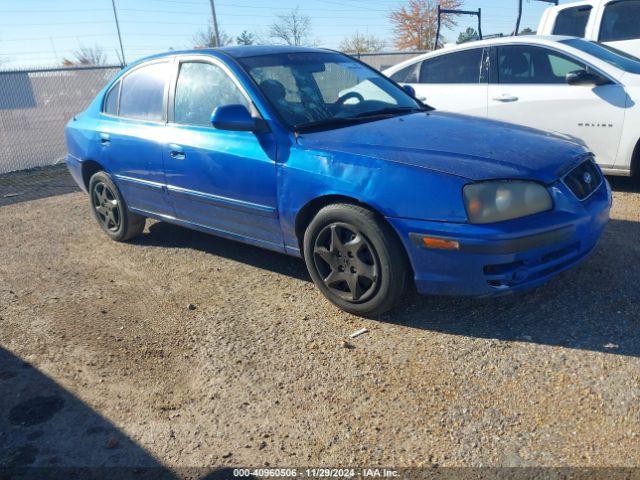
[
  {"x": 111, "y": 210},
  {"x": 355, "y": 259}
]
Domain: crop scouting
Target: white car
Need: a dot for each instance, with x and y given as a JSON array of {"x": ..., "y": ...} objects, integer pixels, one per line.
[
  {"x": 583, "y": 90},
  {"x": 613, "y": 22}
]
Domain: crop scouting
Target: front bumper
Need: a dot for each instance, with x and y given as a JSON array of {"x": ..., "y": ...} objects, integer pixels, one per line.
[{"x": 506, "y": 256}]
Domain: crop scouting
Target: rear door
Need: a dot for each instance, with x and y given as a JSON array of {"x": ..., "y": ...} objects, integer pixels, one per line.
[
  {"x": 218, "y": 179},
  {"x": 455, "y": 81},
  {"x": 132, "y": 129},
  {"x": 528, "y": 87}
]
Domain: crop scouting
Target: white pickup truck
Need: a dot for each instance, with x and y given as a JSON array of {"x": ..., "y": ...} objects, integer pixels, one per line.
[{"x": 612, "y": 22}]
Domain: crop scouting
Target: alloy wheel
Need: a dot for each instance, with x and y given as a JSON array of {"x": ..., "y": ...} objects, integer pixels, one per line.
[
  {"x": 106, "y": 206},
  {"x": 346, "y": 262}
]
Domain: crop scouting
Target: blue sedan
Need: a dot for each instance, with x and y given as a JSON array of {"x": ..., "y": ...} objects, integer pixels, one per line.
[{"x": 314, "y": 154}]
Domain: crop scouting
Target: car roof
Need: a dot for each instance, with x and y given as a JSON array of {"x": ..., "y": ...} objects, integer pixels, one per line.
[
  {"x": 579, "y": 3},
  {"x": 509, "y": 39},
  {"x": 237, "y": 51}
]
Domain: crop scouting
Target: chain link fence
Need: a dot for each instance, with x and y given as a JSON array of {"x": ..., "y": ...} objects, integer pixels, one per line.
[{"x": 35, "y": 106}]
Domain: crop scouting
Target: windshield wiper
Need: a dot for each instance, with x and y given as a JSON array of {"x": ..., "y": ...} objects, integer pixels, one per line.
[
  {"x": 390, "y": 111},
  {"x": 334, "y": 122}
]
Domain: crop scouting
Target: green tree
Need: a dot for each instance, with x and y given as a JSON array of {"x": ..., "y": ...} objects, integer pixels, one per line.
[
  {"x": 468, "y": 35},
  {"x": 246, "y": 38},
  {"x": 527, "y": 31}
]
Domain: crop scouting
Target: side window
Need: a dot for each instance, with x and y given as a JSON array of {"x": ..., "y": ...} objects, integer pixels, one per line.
[
  {"x": 459, "y": 67},
  {"x": 534, "y": 65},
  {"x": 621, "y": 21},
  {"x": 111, "y": 102},
  {"x": 202, "y": 87},
  {"x": 407, "y": 74},
  {"x": 572, "y": 21},
  {"x": 142, "y": 92}
]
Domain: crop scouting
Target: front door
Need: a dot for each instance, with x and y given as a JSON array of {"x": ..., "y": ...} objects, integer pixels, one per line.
[
  {"x": 222, "y": 180},
  {"x": 528, "y": 87}
]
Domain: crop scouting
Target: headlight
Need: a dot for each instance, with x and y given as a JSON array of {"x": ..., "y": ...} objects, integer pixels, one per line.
[{"x": 496, "y": 201}]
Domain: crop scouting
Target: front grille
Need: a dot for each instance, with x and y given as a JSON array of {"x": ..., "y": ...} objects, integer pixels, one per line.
[{"x": 583, "y": 180}]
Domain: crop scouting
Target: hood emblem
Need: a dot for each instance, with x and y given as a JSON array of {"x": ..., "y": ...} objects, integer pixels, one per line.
[{"x": 587, "y": 178}]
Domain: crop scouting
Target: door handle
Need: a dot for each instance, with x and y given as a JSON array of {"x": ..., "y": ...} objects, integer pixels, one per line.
[
  {"x": 177, "y": 152},
  {"x": 105, "y": 139},
  {"x": 505, "y": 97}
]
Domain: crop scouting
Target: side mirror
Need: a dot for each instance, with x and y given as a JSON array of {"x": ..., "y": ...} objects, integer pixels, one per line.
[
  {"x": 233, "y": 117},
  {"x": 410, "y": 90},
  {"x": 585, "y": 78}
]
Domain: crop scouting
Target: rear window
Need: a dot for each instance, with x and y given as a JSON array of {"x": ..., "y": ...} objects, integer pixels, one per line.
[
  {"x": 458, "y": 67},
  {"x": 142, "y": 92},
  {"x": 572, "y": 21},
  {"x": 621, "y": 21}
]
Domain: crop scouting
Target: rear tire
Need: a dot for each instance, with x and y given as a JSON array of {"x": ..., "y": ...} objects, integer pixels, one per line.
[
  {"x": 355, "y": 259},
  {"x": 111, "y": 210}
]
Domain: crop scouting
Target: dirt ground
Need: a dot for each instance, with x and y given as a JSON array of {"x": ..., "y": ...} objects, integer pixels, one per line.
[{"x": 103, "y": 363}]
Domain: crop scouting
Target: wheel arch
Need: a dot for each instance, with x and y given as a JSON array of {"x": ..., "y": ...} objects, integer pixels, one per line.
[
  {"x": 311, "y": 208},
  {"x": 89, "y": 168}
]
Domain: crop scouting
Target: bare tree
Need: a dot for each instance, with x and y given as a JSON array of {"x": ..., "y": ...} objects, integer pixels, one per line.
[
  {"x": 415, "y": 23},
  {"x": 292, "y": 28},
  {"x": 359, "y": 43},
  {"x": 206, "y": 38},
  {"x": 84, "y": 55}
]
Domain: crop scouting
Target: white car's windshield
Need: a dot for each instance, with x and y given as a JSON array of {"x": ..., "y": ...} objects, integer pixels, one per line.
[
  {"x": 325, "y": 89},
  {"x": 612, "y": 56}
]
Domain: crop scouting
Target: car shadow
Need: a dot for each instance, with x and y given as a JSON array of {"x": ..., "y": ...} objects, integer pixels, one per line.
[
  {"x": 592, "y": 307},
  {"x": 162, "y": 234},
  {"x": 624, "y": 184}
]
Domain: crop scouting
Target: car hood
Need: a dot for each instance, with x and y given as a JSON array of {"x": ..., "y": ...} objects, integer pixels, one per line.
[{"x": 469, "y": 147}]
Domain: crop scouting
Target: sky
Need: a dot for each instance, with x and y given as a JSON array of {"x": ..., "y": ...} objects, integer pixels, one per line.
[{"x": 44, "y": 32}]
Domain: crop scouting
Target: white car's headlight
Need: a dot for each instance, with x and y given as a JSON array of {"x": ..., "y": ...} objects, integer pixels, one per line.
[{"x": 500, "y": 200}]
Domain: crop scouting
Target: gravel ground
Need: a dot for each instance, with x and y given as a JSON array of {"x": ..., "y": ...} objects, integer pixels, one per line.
[{"x": 102, "y": 362}]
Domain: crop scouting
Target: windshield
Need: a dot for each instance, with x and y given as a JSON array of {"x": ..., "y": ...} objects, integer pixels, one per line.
[
  {"x": 612, "y": 56},
  {"x": 325, "y": 89}
]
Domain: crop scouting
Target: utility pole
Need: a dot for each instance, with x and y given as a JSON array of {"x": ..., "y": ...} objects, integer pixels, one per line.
[
  {"x": 519, "y": 18},
  {"x": 115, "y": 16},
  {"x": 215, "y": 23}
]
